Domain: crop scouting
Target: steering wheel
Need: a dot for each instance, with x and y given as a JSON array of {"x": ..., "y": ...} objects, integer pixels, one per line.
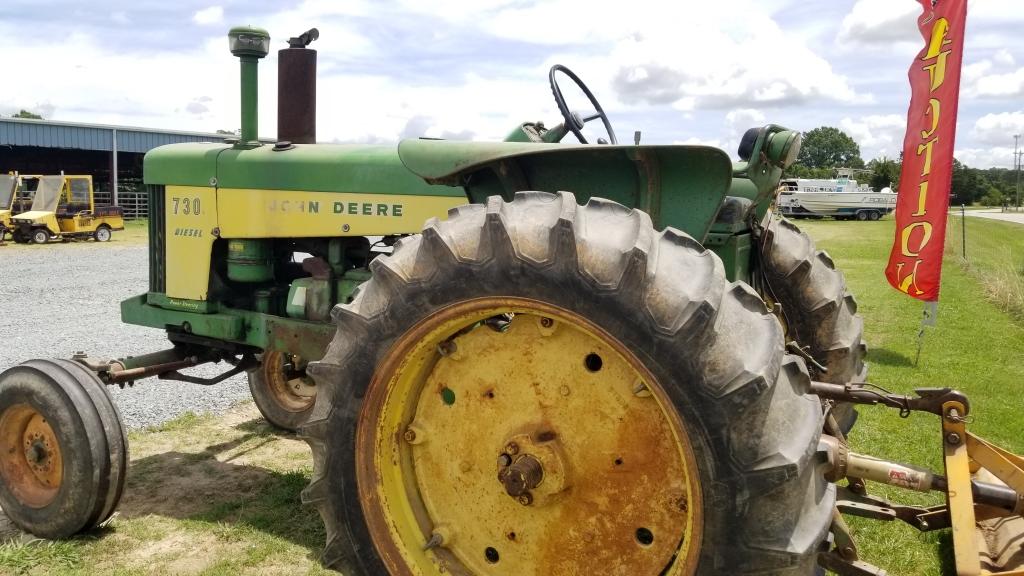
[{"x": 573, "y": 120}]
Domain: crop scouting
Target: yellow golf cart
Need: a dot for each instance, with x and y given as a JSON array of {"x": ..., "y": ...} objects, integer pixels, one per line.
[{"x": 63, "y": 208}]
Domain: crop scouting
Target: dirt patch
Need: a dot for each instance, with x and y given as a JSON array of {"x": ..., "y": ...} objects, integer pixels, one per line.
[
  {"x": 180, "y": 552},
  {"x": 171, "y": 475}
]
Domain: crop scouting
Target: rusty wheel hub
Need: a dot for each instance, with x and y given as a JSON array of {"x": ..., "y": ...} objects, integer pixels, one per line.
[
  {"x": 31, "y": 462},
  {"x": 291, "y": 391},
  {"x": 536, "y": 444}
]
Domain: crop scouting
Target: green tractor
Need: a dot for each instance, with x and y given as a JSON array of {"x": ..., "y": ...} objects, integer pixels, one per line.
[{"x": 590, "y": 358}]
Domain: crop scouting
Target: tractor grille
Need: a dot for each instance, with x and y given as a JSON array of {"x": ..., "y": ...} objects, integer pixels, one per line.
[{"x": 157, "y": 240}]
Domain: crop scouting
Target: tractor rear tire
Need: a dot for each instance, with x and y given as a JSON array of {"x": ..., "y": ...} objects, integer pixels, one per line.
[
  {"x": 63, "y": 450},
  {"x": 706, "y": 359},
  {"x": 19, "y": 237},
  {"x": 275, "y": 395},
  {"x": 817, "y": 307}
]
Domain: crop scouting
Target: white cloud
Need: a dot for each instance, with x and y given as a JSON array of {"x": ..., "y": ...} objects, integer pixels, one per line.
[
  {"x": 744, "y": 118},
  {"x": 996, "y": 157},
  {"x": 1003, "y": 57},
  {"x": 1008, "y": 85},
  {"x": 78, "y": 87},
  {"x": 339, "y": 36},
  {"x": 877, "y": 135},
  {"x": 998, "y": 129},
  {"x": 993, "y": 77},
  {"x": 697, "y": 141},
  {"x": 641, "y": 53},
  {"x": 987, "y": 11},
  {"x": 881, "y": 23},
  {"x": 207, "y": 16}
]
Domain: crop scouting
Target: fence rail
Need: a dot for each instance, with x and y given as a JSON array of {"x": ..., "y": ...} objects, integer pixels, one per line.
[{"x": 135, "y": 204}]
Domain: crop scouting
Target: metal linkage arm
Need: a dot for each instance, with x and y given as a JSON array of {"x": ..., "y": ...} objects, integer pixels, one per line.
[{"x": 929, "y": 400}]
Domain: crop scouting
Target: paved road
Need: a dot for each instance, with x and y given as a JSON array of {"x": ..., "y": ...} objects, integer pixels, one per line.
[
  {"x": 60, "y": 298},
  {"x": 993, "y": 214}
]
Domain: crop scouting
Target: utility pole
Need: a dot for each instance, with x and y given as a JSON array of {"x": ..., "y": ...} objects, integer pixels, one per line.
[{"x": 1016, "y": 165}]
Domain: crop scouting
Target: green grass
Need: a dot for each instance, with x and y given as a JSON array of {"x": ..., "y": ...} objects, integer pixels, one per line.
[
  {"x": 976, "y": 347},
  {"x": 135, "y": 232},
  {"x": 23, "y": 558},
  {"x": 187, "y": 421},
  {"x": 994, "y": 257}
]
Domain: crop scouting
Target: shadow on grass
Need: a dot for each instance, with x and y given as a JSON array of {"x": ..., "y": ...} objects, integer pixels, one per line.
[
  {"x": 207, "y": 488},
  {"x": 944, "y": 551},
  {"x": 888, "y": 357}
]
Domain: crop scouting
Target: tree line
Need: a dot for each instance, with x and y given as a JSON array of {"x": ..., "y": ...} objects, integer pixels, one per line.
[
  {"x": 826, "y": 149},
  {"x": 25, "y": 114}
]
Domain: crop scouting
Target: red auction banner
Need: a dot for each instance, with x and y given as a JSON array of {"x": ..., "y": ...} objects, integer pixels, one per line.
[{"x": 915, "y": 264}]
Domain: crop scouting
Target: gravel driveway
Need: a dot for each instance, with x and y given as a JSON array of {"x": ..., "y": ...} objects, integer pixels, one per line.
[{"x": 59, "y": 298}]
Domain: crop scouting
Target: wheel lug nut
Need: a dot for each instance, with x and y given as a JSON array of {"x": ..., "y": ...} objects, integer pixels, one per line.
[
  {"x": 447, "y": 348},
  {"x": 547, "y": 322},
  {"x": 413, "y": 434},
  {"x": 525, "y": 499},
  {"x": 435, "y": 540},
  {"x": 512, "y": 448},
  {"x": 504, "y": 460}
]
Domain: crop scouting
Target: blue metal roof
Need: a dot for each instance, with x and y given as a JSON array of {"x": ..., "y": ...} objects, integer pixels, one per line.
[{"x": 55, "y": 134}]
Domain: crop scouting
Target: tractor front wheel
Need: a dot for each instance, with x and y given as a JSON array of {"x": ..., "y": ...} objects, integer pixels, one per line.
[
  {"x": 537, "y": 387},
  {"x": 283, "y": 395},
  {"x": 40, "y": 236},
  {"x": 63, "y": 451},
  {"x": 102, "y": 234}
]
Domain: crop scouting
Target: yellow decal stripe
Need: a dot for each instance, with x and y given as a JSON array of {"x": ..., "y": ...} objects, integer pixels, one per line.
[{"x": 294, "y": 214}]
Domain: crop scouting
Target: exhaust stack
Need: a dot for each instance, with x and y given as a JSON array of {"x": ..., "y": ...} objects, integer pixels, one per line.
[
  {"x": 296, "y": 90},
  {"x": 249, "y": 44}
]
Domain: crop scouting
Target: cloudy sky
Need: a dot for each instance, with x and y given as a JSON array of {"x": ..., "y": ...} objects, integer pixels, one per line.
[{"x": 690, "y": 71}]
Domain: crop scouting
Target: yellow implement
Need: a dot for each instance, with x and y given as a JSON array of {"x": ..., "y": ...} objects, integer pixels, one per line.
[{"x": 983, "y": 484}]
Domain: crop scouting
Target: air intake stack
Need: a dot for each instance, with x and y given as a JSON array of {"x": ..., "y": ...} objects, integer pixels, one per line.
[
  {"x": 296, "y": 90},
  {"x": 249, "y": 44}
]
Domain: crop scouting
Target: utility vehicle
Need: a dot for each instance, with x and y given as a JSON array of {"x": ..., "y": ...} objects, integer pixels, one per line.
[{"x": 63, "y": 208}]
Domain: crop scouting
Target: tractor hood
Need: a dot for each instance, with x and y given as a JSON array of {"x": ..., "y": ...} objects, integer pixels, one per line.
[
  {"x": 366, "y": 169},
  {"x": 684, "y": 185}
]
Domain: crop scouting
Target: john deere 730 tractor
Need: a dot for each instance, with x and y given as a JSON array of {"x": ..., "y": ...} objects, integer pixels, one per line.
[{"x": 517, "y": 357}]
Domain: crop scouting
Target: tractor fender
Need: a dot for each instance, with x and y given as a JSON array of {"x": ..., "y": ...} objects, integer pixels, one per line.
[{"x": 679, "y": 185}]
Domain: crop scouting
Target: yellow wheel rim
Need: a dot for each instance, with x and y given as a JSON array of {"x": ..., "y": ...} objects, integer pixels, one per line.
[
  {"x": 291, "y": 394},
  {"x": 31, "y": 463},
  {"x": 508, "y": 436}
]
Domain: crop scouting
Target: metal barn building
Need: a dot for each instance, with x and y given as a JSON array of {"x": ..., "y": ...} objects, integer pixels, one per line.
[{"x": 111, "y": 154}]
